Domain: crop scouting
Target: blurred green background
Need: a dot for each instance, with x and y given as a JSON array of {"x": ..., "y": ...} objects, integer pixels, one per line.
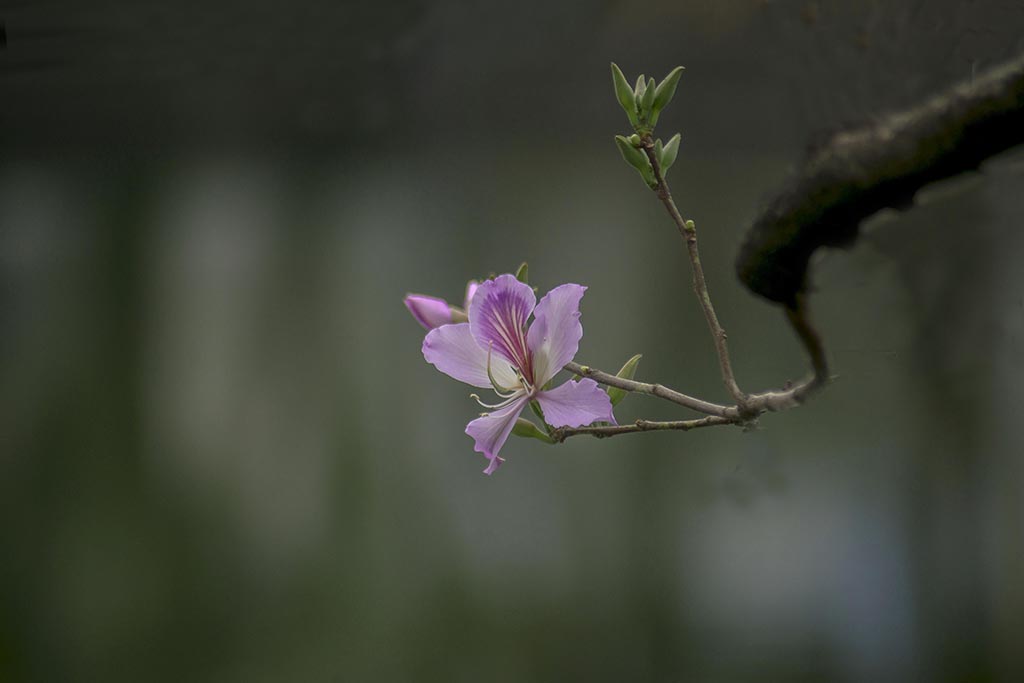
[{"x": 222, "y": 457}]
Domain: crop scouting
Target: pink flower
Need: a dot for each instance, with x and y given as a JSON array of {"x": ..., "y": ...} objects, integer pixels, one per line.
[{"x": 498, "y": 348}]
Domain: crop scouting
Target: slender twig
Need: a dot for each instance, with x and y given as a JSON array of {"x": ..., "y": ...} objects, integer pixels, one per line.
[
  {"x": 603, "y": 431},
  {"x": 756, "y": 404},
  {"x": 748, "y": 406},
  {"x": 777, "y": 401},
  {"x": 700, "y": 285},
  {"x": 658, "y": 390}
]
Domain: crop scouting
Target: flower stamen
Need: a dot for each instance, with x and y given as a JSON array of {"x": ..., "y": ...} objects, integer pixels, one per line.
[
  {"x": 526, "y": 384},
  {"x": 496, "y": 406}
]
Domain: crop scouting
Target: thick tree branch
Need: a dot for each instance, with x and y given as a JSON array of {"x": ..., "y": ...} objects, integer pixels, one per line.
[
  {"x": 860, "y": 171},
  {"x": 799, "y": 319}
]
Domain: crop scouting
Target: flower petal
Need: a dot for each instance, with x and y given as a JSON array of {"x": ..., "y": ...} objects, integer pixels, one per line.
[
  {"x": 453, "y": 351},
  {"x": 575, "y": 404},
  {"x": 491, "y": 431},
  {"x": 554, "y": 337},
  {"x": 429, "y": 311},
  {"x": 471, "y": 288},
  {"x": 497, "y": 318}
]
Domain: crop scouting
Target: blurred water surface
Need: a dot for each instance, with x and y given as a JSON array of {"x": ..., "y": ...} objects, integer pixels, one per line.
[{"x": 223, "y": 457}]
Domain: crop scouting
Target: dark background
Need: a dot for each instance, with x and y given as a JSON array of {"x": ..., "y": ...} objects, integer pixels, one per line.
[{"x": 222, "y": 457}]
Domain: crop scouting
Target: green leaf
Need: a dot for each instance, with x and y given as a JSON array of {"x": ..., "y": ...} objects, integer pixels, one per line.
[
  {"x": 523, "y": 273},
  {"x": 668, "y": 154},
  {"x": 638, "y": 89},
  {"x": 624, "y": 94},
  {"x": 647, "y": 101},
  {"x": 627, "y": 372},
  {"x": 632, "y": 156},
  {"x": 528, "y": 430},
  {"x": 637, "y": 159},
  {"x": 648, "y": 175},
  {"x": 666, "y": 89}
]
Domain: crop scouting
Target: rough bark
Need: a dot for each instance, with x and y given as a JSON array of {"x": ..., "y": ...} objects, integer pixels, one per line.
[{"x": 860, "y": 171}]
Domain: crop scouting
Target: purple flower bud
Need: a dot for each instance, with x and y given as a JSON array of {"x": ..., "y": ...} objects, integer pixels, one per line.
[{"x": 429, "y": 311}]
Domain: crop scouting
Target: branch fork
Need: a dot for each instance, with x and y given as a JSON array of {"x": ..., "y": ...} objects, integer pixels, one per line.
[{"x": 747, "y": 408}]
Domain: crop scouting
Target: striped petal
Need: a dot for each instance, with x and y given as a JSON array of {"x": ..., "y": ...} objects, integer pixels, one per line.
[{"x": 497, "y": 319}]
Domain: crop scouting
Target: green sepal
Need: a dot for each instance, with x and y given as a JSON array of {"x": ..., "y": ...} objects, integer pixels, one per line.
[
  {"x": 628, "y": 370},
  {"x": 667, "y": 157},
  {"x": 666, "y": 89},
  {"x": 528, "y": 430},
  {"x": 523, "y": 273},
  {"x": 637, "y": 159},
  {"x": 624, "y": 94}
]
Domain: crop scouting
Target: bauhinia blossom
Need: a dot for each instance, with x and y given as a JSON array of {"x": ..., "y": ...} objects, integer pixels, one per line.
[
  {"x": 500, "y": 349},
  {"x": 432, "y": 312}
]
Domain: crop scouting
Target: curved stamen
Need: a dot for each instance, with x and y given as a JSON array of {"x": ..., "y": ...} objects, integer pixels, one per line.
[
  {"x": 510, "y": 394},
  {"x": 497, "y": 406},
  {"x": 526, "y": 384}
]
